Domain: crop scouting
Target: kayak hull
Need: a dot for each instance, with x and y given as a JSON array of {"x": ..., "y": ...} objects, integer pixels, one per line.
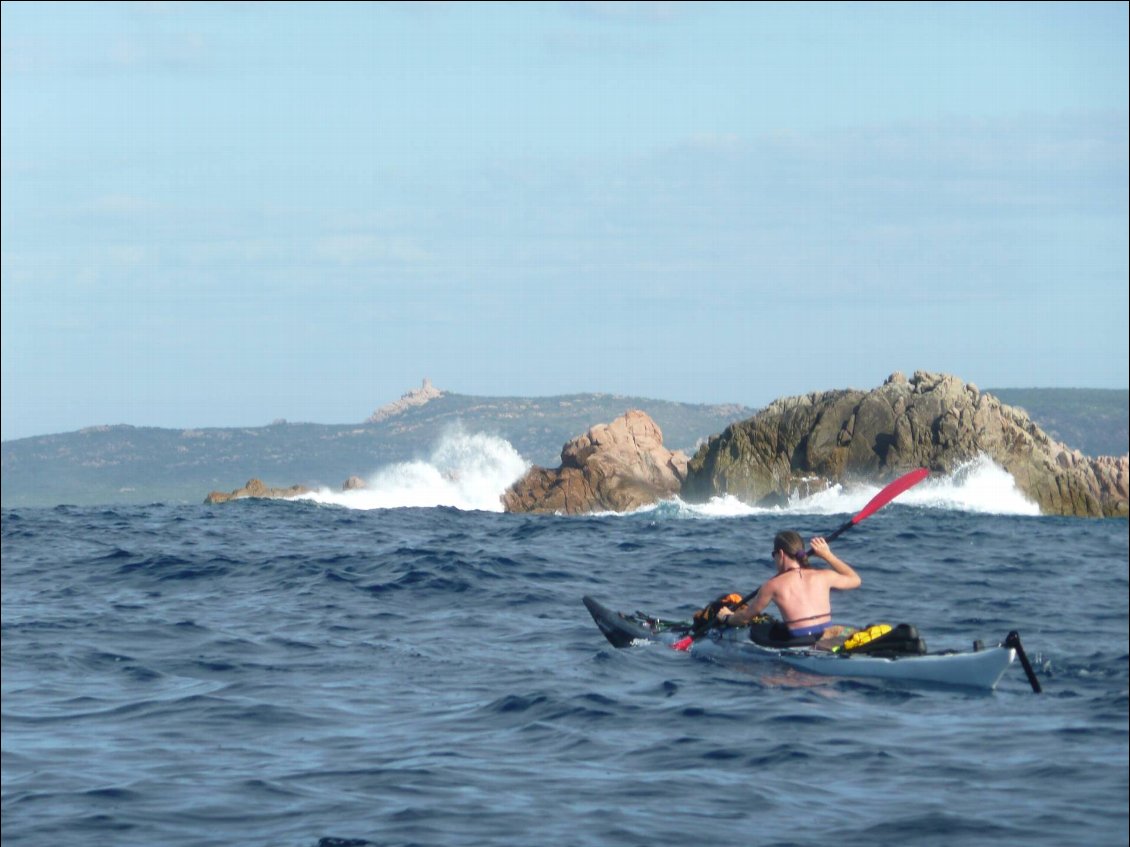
[{"x": 980, "y": 669}]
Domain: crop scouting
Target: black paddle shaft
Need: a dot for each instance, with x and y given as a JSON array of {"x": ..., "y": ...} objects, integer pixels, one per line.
[{"x": 1013, "y": 641}]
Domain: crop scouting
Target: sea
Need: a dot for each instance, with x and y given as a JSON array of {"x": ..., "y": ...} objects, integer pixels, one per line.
[{"x": 407, "y": 665}]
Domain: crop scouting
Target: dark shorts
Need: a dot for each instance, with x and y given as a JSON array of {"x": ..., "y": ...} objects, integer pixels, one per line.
[
  {"x": 816, "y": 629},
  {"x": 773, "y": 633}
]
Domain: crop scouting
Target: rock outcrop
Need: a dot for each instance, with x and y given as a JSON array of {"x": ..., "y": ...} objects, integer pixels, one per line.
[
  {"x": 353, "y": 484},
  {"x": 932, "y": 420},
  {"x": 257, "y": 488},
  {"x": 1113, "y": 476},
  {"x": 616, "y": 467},
  {"x": 416, "y": 397}
]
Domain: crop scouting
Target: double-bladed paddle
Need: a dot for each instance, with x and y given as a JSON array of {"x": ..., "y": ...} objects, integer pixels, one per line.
[{"x": 889, "y": 493}]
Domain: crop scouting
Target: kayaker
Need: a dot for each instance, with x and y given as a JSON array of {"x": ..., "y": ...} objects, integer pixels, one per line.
[{"x": 802, "y": 593}]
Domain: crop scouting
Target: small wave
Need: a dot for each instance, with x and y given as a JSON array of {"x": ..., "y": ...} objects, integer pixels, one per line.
[
  {"x": 979, "y": 486},
  {"x": 726, "y": 506},
  {"x": 466, "y": 471}
]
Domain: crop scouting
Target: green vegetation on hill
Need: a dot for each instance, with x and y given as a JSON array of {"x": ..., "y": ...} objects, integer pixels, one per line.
[{"x": 1091, "y": 420}]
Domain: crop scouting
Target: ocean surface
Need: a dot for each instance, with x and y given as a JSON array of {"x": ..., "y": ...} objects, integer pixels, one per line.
[{"x": 406, "y": 666}]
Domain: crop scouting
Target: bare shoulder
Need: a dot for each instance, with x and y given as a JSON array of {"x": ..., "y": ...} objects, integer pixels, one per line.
[{"x": 841, "y": 580}]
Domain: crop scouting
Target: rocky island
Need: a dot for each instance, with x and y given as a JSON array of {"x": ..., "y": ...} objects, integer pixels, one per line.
[
  {"x": 256, "y": 488},
  {"x": 932, "y": 420}
]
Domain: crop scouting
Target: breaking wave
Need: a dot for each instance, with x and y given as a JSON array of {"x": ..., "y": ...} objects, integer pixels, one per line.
[
  {"x": 470, "y": 471},
  {"x": 979, "y": 486},
  {"x": 465, "y": 471}
]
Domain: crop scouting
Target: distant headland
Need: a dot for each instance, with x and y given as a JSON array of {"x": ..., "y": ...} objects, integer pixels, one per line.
[{"x": 136, "y": 465}]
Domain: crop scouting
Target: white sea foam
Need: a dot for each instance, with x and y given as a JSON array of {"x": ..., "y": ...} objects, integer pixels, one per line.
[
  {"x": 979, "y": 486},
  {"x": 470, "y": 471},
  {"x": 466, "y": 471}
]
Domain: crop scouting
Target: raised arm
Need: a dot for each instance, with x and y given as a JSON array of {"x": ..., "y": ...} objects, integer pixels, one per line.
[{"x": 845, "y": 577}]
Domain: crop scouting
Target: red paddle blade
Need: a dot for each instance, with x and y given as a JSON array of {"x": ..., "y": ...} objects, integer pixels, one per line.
[
  {"x": 889, "y": 493},
  {"x": 683, "y": 644}
]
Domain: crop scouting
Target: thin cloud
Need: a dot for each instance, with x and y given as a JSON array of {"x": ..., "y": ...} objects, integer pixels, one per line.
[
  {"x": 173, "y": 52},
  {"x": 648, "y": 12},
  {"x": 123, "y": 205},
  {"x": 368, "y": 249},
  {"x": 124, "y": 53}
]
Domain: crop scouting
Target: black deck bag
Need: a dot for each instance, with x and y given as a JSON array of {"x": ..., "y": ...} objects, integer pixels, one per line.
[{"x": 902, "y": 640}]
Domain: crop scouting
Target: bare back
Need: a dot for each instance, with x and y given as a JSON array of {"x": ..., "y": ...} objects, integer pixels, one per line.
[{"x": 803, "y": 596}]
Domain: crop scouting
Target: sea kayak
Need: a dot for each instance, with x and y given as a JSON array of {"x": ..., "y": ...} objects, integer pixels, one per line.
[{"x": 979, "y": 668}]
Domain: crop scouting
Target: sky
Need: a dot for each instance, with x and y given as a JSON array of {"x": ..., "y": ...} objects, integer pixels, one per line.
[{"x": 226, "y": 214}]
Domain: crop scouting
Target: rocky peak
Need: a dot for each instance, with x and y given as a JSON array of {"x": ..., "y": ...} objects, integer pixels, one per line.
[
  {"x": 618, "y": 466},
  {"x": 416, "y": 397},
  {"x": 931, "y": 420}
]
